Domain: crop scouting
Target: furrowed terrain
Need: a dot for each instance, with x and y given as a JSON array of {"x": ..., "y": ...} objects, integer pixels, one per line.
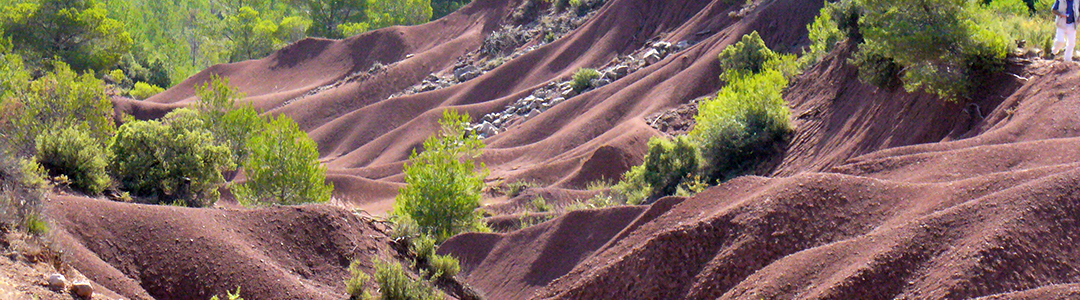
[{"x": 880, "y": 195}]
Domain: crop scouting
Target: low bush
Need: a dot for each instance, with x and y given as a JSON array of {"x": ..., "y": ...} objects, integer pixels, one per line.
[
  {"x": 396, "y": 284},
  {"x": 59, "y": 99},
  {"x": 746, "y": 124},
  {"x": 229, "y": 295},
  {"x": 21, "y": 193},
  {"x": 749, "y": 55},
  {"x": 668, "y": 164},
  {"x": 515, "y": 188},
  {"x": 538, "y": 204},
  {"x": 583, "y": 79},
  {"x": 356, "y": 283},
  {"x": 143, "y": 90},
  {"x": 72, "y": 152},
  {"x": 283, "y": 167},
  {"x": 443, "y": 267},
  {"x": 183, "y": 164},
  {"x": 443, "y": 188}
]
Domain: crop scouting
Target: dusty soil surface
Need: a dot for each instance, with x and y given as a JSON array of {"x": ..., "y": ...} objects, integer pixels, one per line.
[{"x": 881, "y": 194}]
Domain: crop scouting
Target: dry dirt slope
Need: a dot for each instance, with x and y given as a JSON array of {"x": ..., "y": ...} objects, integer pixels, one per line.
[
  {"x": 882, "y": 194},
  {"x": 969, "y": 208}
]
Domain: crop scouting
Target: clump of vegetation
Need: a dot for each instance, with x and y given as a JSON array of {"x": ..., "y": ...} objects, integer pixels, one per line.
[
  {"x": 395, "y": 283},
  {"x": 60, "y": 99},
  {"x": 143, "y": 90},
  {"x": 515, "y": 189},
  {"x": 443, "y": 267},
  {"x": 444, "y": 189},
  {"x": 747, "y": 122},
  {"x": 72, "y": 152},
  {"x": 283, "y": 167},
  {"x": 22, "y": 188},
  {"x": 583, "y": 79},
  {"x": 78, "y": 32},
  {"x": 356, "y": 282},
  {"x": 749, "y": 55},
  {"x": 185, "y": 163},
  {"x": 499, "y": 42},
  {"x": 666, "y": 166},
  {"x": 946, "y": 51},
  {"x": 600, "y": 200},
  {"x": 230, "y": 295},
  {"x": 538, "y": 204}
]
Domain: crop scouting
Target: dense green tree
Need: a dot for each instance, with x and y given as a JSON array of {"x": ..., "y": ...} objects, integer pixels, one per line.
[
  {"x": 441, "y": 8},
  {"x": 283, "y": 167},
  {"x": 385, "y": 13},
  {"x": 72, "y": 152},
  {"x": 443, "y": 191},
  {"x": 327, "y": 15},
  {"x": 232, "y": 124},
  {"x": 77, "y": 31},
  {"x": 172, "y": 160},
  {"x": 59, "y": 99}
]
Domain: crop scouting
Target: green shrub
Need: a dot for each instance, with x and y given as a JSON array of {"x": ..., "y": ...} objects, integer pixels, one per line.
[
  {"x": 745, "y": 124},
  {"x": 443, "y": 191},
  {"x": 443, "y": 267},
  {"x": 60, "y": 99},
  {"x": 173, "y": 159},
  {"x": 396, "y": 284},
  {"x": 144, "y": 90},
  {"x": 423, "y": 247},
  {"x": 355, "y": 284},
  {"x": 405, "y": 229},
  {"x": 940, "y": 50},
  {"x": 668, "y": 164},
  {"x": 824, "y": 34},
  {"x": 232, "y": 125},
  {"x": 583, "y": 79},
  {"x": 283, "y": 167},
  {"x": 746, "y": 56},
  {"x": 72, "y": 152},
  {"x": 230, "y": 295},
  {"x": 515, "y": 188},
  {"x": 538, "y": 204},
  {"x": 21, "y": 194}
]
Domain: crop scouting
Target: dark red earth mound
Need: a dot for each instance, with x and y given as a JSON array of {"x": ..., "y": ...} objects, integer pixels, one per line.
[{"x": 165, "y": 252}]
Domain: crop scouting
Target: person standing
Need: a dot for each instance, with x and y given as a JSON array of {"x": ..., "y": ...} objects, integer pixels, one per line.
[{"x": 1066, "y": 26}]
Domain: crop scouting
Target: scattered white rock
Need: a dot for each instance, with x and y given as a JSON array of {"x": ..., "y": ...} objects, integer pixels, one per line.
[
  {"x": 532, "y": 114},
  {"x": 651, "y": 56},
  {"x": 83, "y": 289},
  {"x": 57, "y": 281},
  {"x": 466, "y": 73}
]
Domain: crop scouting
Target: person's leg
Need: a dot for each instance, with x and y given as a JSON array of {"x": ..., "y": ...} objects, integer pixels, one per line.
[
  {"x": 1059, "y": 37},
  {"x": 1070, "y": 41}
]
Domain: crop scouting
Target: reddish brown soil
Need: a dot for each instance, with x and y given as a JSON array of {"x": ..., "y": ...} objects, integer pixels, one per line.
[
  {"x": 881, "y": 194},
  {"x": 164, "y": 252}
]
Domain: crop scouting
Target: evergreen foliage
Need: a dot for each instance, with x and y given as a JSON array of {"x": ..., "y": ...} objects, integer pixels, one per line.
[
  {"x": 283, "y": 167},
  {"x": 77, "y": 31},
  {"x": 72, "y": 152},
  {"x": 747, "y": 122},
  {"x": 443, "y": 191},
  {"x": 668, "y": 164},
  {"x": 59, "y": 99},
  {"x": 172, "y": 160}
]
